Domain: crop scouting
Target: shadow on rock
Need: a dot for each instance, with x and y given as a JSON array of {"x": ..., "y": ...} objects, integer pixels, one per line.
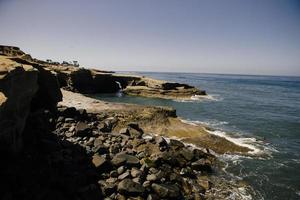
[{"x": 48, "y": 167}]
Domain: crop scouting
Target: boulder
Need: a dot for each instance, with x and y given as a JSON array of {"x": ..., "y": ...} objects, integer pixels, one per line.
[
  {"x": 129, "y": 187},
  {"x": 99, "y": 162}
]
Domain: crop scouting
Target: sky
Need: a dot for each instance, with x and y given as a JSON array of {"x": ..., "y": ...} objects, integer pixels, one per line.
[{"x": 202, "y": 36}]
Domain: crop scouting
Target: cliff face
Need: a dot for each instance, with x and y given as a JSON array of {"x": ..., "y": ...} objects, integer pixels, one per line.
[
  {"x": 23, "y": 89},
  {"x": 18, "y": 85}
]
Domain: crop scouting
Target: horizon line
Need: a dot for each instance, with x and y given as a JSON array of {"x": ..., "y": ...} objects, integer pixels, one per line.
[{"x": 212, "y": 73}]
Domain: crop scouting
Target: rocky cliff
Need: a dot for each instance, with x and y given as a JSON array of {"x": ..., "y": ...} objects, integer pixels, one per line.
[
  {"x": 95, "y": 81},
  {"x": 24, "y": 88}
]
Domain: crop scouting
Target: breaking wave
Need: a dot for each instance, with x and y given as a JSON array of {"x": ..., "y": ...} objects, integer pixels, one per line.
[{"x": 257, "y": 147}]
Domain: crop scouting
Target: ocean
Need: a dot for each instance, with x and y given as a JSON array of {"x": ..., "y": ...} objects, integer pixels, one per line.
[{"x": 261, "y": 112}]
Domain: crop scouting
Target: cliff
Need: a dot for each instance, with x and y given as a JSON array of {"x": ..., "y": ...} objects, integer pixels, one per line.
[{"x": 24, "y": 88}]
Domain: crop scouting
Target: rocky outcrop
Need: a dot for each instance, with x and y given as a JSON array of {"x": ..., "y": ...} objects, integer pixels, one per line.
[
  {"x": 23, "y": 88},
  {"x": 18, "y": 85},
  {"x": 91, "y": 81},
  {"x": 95, "y": 81}
]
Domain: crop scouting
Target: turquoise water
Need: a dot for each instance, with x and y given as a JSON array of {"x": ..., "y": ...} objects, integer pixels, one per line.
[{"x": 262, "y": 111}]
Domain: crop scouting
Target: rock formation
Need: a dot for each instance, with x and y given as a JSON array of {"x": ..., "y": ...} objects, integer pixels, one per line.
[
  {"x": 24, "y": 88},
  {"x": 95, "y": 81}
]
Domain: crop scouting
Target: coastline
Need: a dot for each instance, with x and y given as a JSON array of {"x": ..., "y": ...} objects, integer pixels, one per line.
[
  {"x": 55, "y": 121},
  {"x": 156, "y": 120}
]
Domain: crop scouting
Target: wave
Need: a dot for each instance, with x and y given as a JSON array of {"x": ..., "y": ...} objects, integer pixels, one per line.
[
  {"x": 211, "y": 123},
  {"x": 200, "y": 98},
  {"x": 257, "y": 147}
]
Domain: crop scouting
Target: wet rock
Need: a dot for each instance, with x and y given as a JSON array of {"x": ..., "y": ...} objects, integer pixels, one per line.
[
  {"x": 129, "y": 187},
  {"x": 166, "y": 191}
]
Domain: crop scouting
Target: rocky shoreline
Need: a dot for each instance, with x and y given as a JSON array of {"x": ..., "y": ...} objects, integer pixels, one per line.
[{"x": 58, "y": 143}]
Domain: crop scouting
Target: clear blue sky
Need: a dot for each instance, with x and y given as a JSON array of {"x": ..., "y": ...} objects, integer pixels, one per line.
[{"x": 244, "y": 37}]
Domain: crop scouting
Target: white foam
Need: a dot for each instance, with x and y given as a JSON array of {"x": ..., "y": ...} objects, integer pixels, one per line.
[
  {"x": 257, "y": 147},
  {"x": 212, "y": 97},
  {"x": 200, "y": 98},
  {"x": 244, "y": 142},
  {"x": 211, "y": 123}
]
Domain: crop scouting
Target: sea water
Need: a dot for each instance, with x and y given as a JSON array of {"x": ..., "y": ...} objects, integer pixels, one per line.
[{"x": 261, "y": 112}]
